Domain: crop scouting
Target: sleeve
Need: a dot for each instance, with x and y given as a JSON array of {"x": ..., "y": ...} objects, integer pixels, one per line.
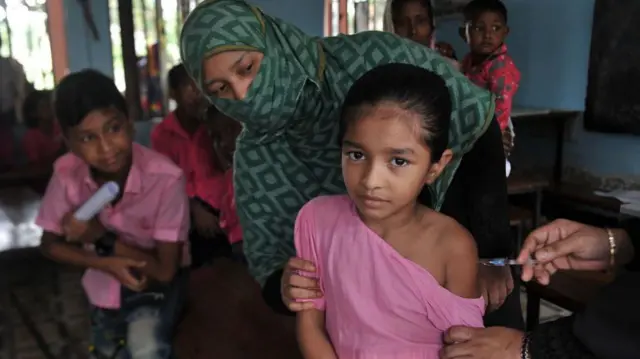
[
  {"x": 504, "y": 80},
  {"x": 267, "y": 205},
  {"x": 304, "y": 237},
  {"x": 54, "y": 206},
  {"x": 172, "y": 217},
  {"x": 487, "y": 201}
]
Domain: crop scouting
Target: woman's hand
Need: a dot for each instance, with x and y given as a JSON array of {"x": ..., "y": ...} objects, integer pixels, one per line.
[
  {"x": 564, "y": 244},
  {"x": 496, "y": 284},
  {"x": 295, "y": 287},
  {"x": 482, "y": 343}
]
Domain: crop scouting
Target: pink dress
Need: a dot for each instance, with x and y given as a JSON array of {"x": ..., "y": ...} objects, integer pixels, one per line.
[{"x": 378, "y": 304}]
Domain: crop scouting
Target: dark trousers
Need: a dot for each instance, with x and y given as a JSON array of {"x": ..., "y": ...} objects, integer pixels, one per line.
[{"x": 205, "y": 249}]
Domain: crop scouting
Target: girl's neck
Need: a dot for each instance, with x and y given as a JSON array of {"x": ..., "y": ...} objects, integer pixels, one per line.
[{"x": 397, "y": 222}]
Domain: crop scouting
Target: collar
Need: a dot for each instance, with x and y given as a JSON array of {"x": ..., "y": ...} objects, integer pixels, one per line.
[{"x": 172, "y": 124}]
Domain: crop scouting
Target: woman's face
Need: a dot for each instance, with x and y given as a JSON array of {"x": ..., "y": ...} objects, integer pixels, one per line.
[
  {"x": 413, "y": 22},
  {"x": 228, "y": 75}
]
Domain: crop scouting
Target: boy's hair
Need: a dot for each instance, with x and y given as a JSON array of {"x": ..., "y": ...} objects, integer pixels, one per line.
[
  {"x": 31, "y": 104},
  {"x": 476, "y": 7},
  {"x": 83, "y": 92},
  {"x": 177, "y": 77},
  {"x": 411, "y": 88}
]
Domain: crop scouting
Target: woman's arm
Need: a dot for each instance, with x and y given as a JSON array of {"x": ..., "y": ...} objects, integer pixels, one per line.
[
  {"x": 266, "y": 213},
  {"x": 312, "y": 336}
]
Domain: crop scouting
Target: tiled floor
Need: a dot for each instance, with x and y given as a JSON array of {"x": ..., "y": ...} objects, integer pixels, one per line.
[{"x": 43, "y": 310}]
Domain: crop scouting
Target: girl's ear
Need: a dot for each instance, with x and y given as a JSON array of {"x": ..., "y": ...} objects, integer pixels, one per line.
[{"x": 437, "y": 168}]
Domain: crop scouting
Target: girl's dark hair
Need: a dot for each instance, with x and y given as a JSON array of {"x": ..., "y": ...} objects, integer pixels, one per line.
[
  {"x": 397, "y": 5},
  {"x": 83, "y": 92},
  {"x": 413, "y": 89},
  {"x": 31, "y": 105}
]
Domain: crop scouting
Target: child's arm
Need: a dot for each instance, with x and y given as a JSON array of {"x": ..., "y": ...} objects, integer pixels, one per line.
[
  {"x": 312, "y": 336},
  {"x": 461, "y": 266},
  {"x": 504, "y": 79},
  {"x": 170, "y": 233},
  {"x": 53, "y": 246}
]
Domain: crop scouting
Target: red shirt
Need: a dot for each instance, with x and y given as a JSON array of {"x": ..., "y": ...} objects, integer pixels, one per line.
[
  {"x": 498, "y": 74},
  {"x": 193, "y": 153},
  {"x": 41, "y": 147}
]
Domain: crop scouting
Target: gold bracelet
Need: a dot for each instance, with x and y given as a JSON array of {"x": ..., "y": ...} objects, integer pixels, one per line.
[{"x": 612, "y": 248}]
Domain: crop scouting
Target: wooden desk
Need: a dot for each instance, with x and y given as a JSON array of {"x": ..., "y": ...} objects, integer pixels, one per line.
[
  {"x": 559, "y": 118},
  {"x": 519, "y": 184},
  {"x": 568, "y": 289}
]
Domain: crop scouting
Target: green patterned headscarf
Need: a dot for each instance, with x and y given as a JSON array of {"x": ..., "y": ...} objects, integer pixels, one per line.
[{"x": 288, "y": 152}]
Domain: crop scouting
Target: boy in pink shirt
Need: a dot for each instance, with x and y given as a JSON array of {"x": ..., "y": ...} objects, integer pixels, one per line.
[
  {"x": 183, "y": 138},
  {"x": 135, "y": 248},
  {"x": 43, "y": 141}
]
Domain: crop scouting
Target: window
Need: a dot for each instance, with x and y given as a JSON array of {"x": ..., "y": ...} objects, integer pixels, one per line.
[
  {"x": 23, "y": 30},
  {"x": 353, "y": 16}
]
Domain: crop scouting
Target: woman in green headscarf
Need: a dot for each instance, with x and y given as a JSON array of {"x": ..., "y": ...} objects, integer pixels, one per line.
[{"x": 287, "y": 88}]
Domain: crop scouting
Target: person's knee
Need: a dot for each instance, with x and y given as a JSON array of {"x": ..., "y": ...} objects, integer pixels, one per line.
[{"x": 146, "y": 339}]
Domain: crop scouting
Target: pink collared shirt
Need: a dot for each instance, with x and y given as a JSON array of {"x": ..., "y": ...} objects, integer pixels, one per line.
[
  {"x": 41, "y": 147},
  {"x": 154, "y": 207},
  {"x": 193, "y": 153}
]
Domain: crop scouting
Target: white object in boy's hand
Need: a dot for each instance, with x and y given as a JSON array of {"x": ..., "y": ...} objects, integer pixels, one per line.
[{"x": 103, "y": 196}]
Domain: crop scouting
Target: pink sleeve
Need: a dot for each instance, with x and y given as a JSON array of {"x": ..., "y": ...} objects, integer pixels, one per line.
[
  {"x": 172, "y": 218},
  {"x": 304, "y": 237},
  {"x": 468, "y": 312},
  {"x": 54, "y": 206}
]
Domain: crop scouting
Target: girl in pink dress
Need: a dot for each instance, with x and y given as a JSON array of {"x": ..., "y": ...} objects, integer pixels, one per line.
[{"x": 395, "y": 274}]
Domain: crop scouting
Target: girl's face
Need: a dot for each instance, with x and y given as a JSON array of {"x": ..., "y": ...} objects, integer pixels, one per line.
[
  {"x": 385, "y": 161},
  {"x": 413, "y": 23},
  {"x": 228, "y": 75}
]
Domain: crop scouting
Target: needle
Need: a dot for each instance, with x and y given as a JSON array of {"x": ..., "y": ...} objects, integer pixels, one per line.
[{"x": 501, "y": 262}]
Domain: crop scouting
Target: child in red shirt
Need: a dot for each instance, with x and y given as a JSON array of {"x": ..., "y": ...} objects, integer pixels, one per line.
[
  {"x": 183, "y": 138},
  {"x": 43, "y": 140},
  {"x": 224, "y": 131},
  {"x": 488, "y": 64}
]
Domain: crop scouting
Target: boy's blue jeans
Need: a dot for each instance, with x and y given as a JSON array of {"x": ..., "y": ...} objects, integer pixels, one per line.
[{"x": 141, "y": 329}]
